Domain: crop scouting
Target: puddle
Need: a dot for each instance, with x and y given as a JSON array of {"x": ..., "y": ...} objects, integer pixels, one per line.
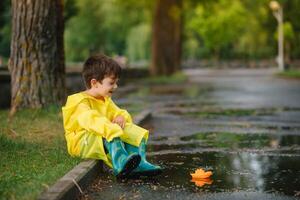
[
  {"x": 238, "y": 174},
  {"x": 235, "y": 176},
  {"x": 245, "y": 166}
]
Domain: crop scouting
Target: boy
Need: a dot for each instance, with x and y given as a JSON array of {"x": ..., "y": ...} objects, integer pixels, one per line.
[{"x": 96, "y": 128}]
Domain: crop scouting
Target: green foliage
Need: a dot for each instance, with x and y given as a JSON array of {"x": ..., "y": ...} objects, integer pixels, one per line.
[
  {"x": 70, "y": 9},
  {"x": 239, "y": 29},
  {"x": 5, "y": 40},
  {"x": 191, "y": 48},
  {"x": 138, "y": 43},
  {"x": 227, "y": 30},
  {"x": 5, "y": 28},
  {"x": 288, "y": 32},
  {"x": 106, "y": 26},
  {"x": 255, "y": 42},
  {"x": 83, "y": 33},
  {"x": 212, "y": 29},
  {"x": 292, "y": 15},
  {"x": 224, "y": 18}
]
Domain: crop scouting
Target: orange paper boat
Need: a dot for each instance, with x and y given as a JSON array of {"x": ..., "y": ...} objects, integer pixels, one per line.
[
  {"x": 201, "y": 174},
  {"x": 202, "y": 182}
]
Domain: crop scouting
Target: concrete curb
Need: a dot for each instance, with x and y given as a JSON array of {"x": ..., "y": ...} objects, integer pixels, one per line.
[{"x": 75, "y": 181}]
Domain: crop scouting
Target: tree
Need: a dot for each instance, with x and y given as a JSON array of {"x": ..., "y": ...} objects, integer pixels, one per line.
[
  {"x": 37, "y": 54},
  {"x": 166, "y": 37}
]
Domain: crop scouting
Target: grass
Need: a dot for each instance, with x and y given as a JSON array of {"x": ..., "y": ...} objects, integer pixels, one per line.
[
  {"x": 133, "y": 108},
  {"x": 173, "y": 79},
  {"x": 231, "y": 112},
  {"x": 290, "y": 74},
  {"x": 33, "y": 152},
  {"x": 232, "y": 140}
]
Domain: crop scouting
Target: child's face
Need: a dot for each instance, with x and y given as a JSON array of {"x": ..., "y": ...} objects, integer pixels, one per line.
[{"x": 106, "y": 87}]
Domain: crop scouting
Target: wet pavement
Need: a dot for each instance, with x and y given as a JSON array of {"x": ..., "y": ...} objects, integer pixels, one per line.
[{"x": 229, "y": 124}]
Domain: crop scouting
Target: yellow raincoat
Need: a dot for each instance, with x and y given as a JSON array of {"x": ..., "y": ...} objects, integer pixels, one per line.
[{"x": 87, "y": 121}]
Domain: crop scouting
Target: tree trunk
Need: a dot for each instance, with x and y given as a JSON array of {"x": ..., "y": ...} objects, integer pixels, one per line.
[
  {"x": 37, "y": 54},
  {"x": 166, "y": 37}
]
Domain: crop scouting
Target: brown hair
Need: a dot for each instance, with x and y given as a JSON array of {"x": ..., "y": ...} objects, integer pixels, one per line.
[{"x": 98, "y": 67}]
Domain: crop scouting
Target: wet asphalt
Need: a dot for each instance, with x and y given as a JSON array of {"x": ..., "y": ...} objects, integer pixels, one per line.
[{"x": 243, "y": 125}]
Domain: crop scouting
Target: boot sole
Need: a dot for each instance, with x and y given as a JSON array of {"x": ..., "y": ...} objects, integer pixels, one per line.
[{"x": 132, "y": 163}]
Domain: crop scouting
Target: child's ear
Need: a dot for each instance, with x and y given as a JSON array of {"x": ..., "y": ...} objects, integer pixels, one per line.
[{"x": 93, "y": 82}]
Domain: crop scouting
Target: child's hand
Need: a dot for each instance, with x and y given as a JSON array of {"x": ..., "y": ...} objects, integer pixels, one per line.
[{"x": 120, "y": 120}]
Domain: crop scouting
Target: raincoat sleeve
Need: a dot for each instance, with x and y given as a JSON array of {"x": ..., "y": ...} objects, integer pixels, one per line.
[
  {"x": 115, "y": 111},
  {"x": 92, "y": 121}
]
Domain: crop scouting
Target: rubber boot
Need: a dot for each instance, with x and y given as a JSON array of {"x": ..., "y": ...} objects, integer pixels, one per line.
[
  {"x": 122, "y": 162},
  {"x": 145, "y": 168}
]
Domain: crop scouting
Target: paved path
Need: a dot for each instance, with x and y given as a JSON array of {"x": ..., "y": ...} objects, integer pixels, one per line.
[
  {"x": 244, "y": 125},
  {"x": 257, "y": 88}
]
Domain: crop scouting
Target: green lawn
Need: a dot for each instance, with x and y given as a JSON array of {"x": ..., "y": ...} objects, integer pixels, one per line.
[
  {"x": 173, "y": 79},
  {"x": 33, "y": 152},
  {"x": 290, "y": 74}
]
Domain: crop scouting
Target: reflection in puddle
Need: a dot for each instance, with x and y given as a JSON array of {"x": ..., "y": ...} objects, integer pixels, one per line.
[
  {"x": 233, "y": 174},
  {"x": 241, "y": 169},
  {"x": 202, "y": 182}
]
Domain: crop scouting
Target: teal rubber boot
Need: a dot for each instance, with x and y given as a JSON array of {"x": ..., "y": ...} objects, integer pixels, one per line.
[
  {"x": 145, "y": 168},
  {"x": 123, "y": 163}
]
